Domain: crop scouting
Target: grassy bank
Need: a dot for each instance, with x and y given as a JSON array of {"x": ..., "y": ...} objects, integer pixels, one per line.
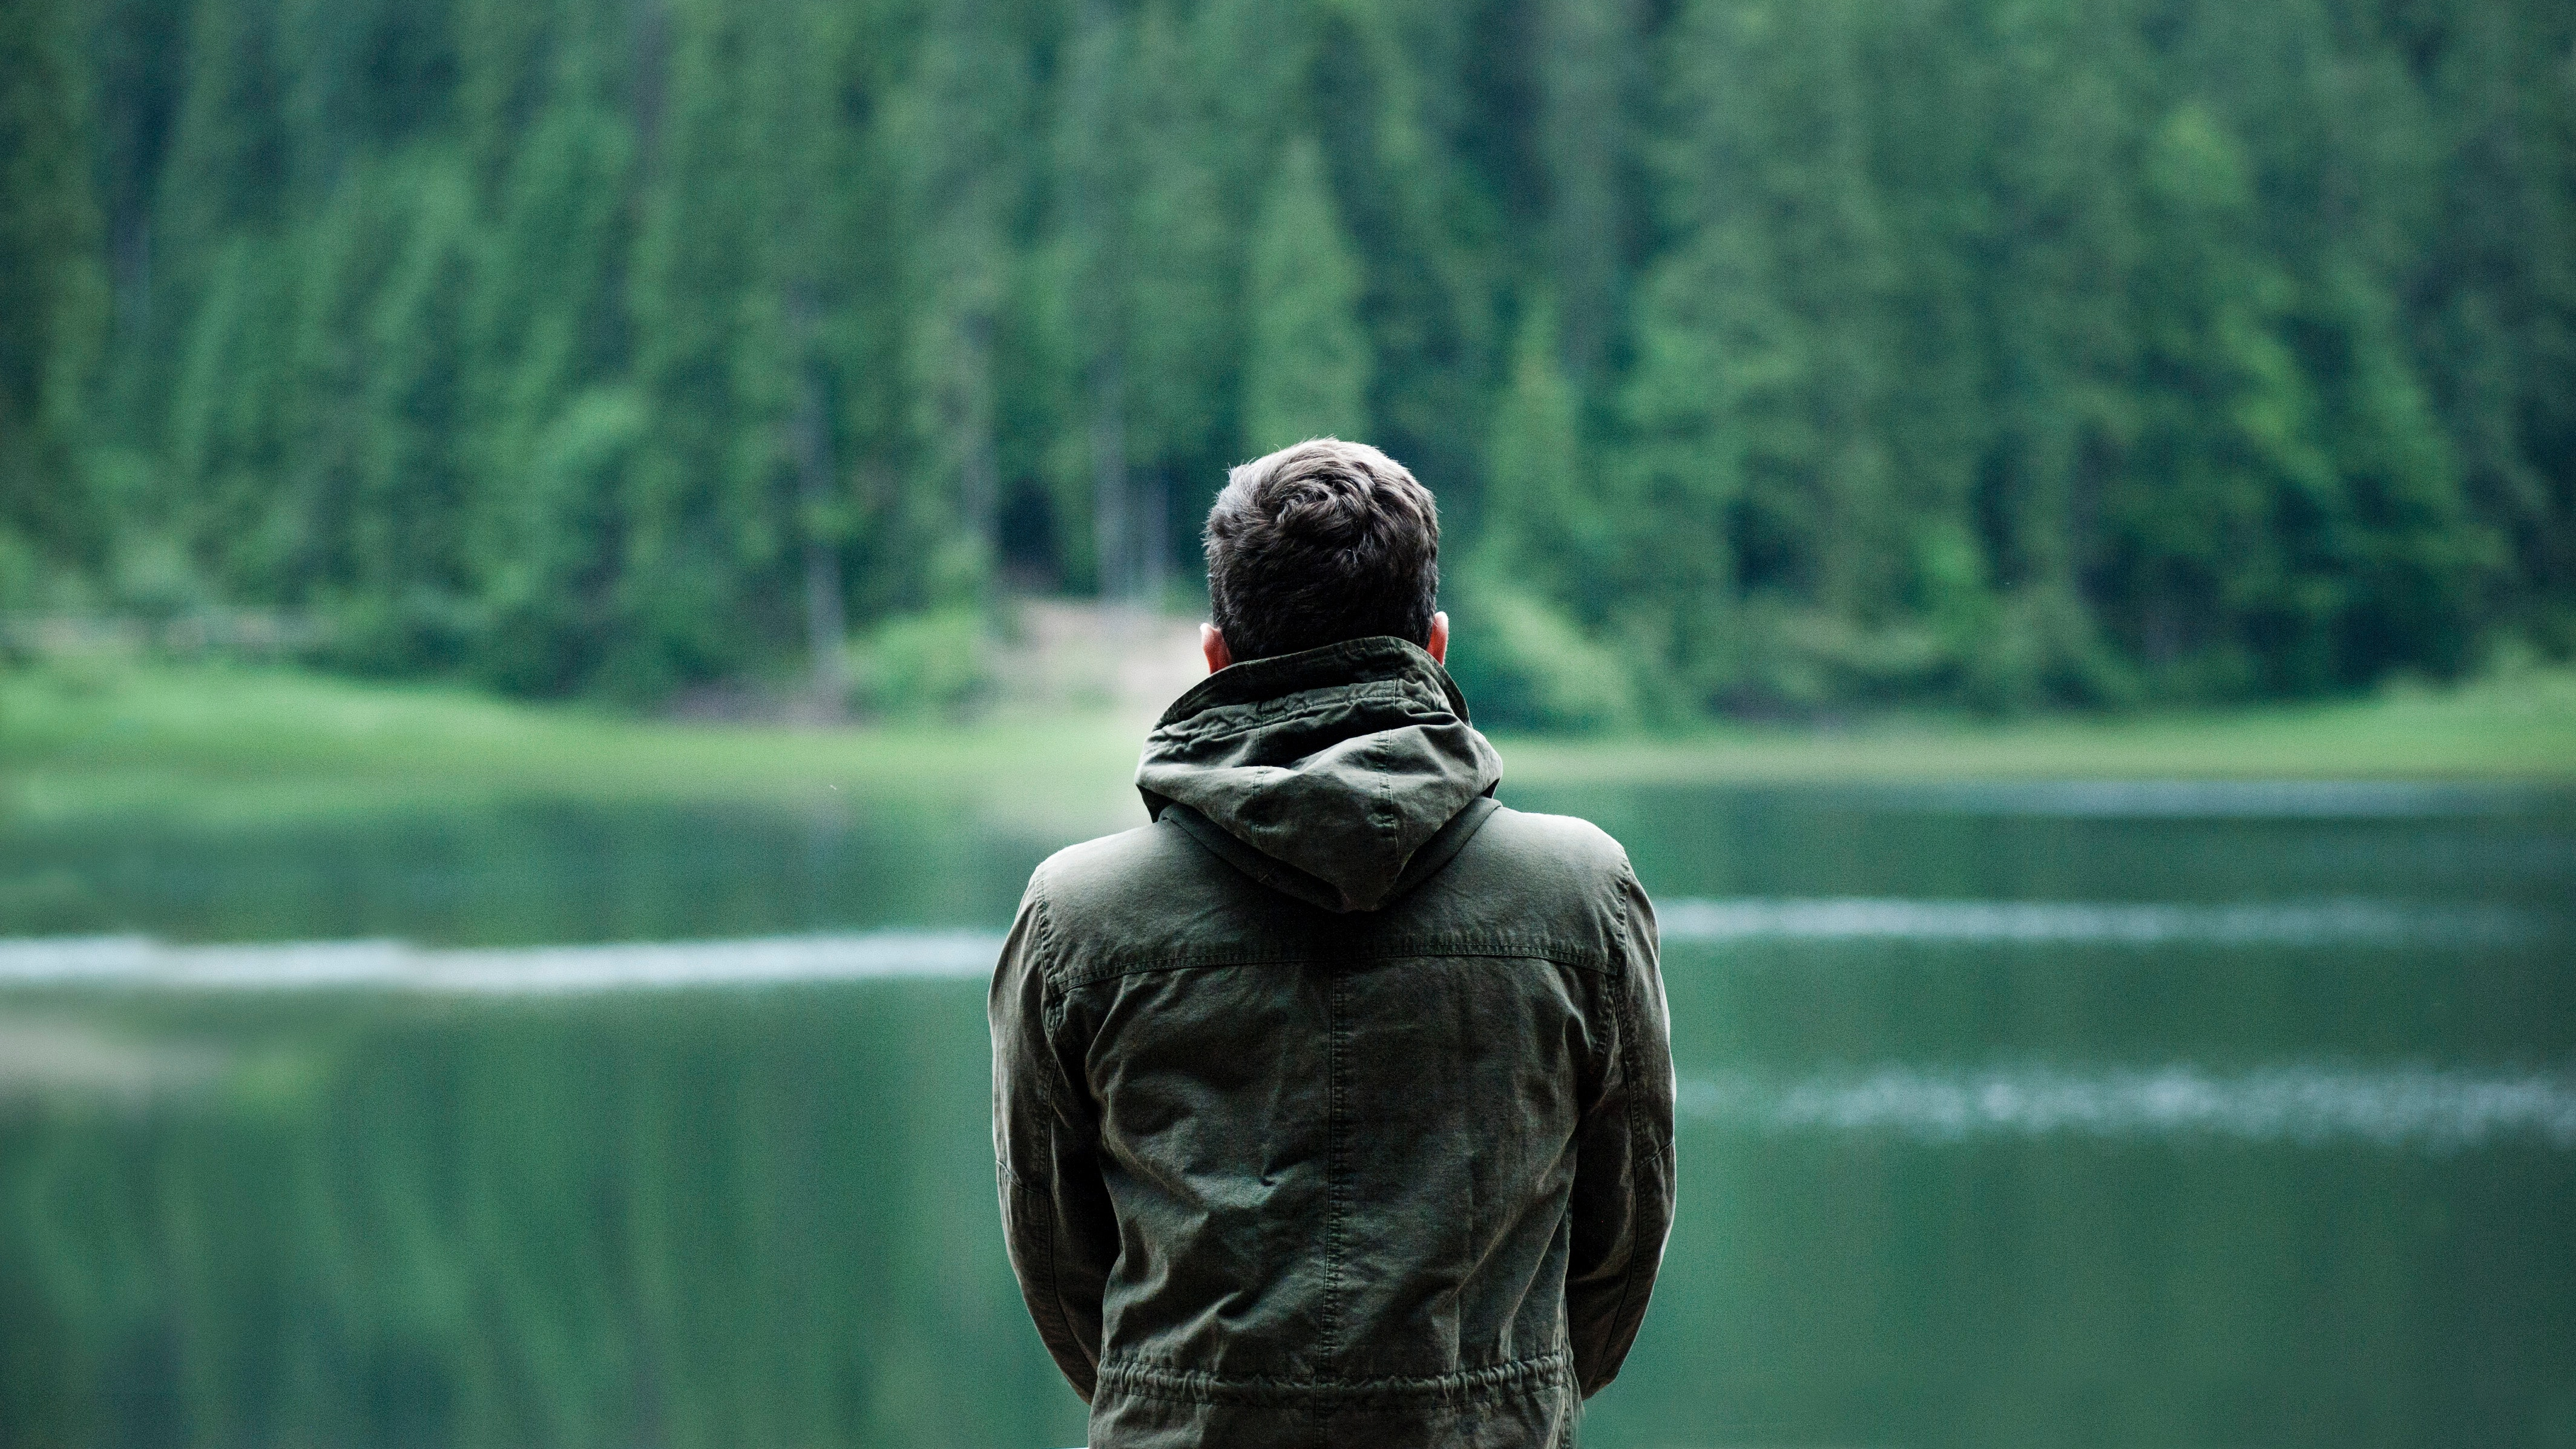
[
  {"x": 100, "y": 737},
  {"x": 2521, "y": 727},
  {"x": 231, "y": 740}
]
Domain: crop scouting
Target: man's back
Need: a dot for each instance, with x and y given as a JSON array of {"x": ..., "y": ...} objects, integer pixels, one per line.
[{"x": 1335, "y": 1106}]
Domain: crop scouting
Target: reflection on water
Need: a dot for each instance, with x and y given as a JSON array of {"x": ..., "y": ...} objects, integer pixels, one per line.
[
  {"x": 2028, "y": 1115},
  {"x": 51, "y": 1057},
  {"x": 730, "y": 1218}
]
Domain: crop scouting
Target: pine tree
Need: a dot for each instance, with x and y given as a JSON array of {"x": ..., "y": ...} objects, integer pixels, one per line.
[
  {"x": 2003, "y": 351},
  {"x": 1541, "y": 523},
  {"x": 1588, "y": 79},
  {"x": 963, "y": 119},
  {"x": 705, "y": 532},
  {"x": 1307, "y": 368},
  {"x": 52, "y": 298}
]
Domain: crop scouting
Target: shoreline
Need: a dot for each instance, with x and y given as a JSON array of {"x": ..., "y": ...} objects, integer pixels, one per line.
[{"x": 224, "y": 739}]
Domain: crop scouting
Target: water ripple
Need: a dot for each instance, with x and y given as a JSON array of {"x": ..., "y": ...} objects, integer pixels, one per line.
[
  {"x": 2229, "y": 799},
  {"x": 140, "y": 962},
  {"x": 2308, "y": 1105},
  {"x": 2350, "y": 922}
]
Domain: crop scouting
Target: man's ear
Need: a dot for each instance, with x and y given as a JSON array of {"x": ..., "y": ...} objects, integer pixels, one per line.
[
  {"x": 1437, "y": 646},
  {"x": 1212, "y": 644}
]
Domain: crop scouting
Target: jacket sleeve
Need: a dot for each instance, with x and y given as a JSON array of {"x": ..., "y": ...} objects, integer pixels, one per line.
[
  {"x": 1623, "y": 1164},
  {"x": 1056, "y": 1216}
]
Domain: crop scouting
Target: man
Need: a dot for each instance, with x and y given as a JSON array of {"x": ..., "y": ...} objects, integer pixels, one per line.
[{"x": 1333, "y": 1107}]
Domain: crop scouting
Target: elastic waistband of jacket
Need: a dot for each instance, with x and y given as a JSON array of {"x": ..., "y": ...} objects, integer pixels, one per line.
[{"x": 1542, "y": 1373}]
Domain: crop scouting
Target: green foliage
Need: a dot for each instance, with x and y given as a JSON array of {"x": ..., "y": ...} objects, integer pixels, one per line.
[
  {"x": 1991, "y": 353},
  {"x": 928, "y": 665},
  {"x": 1525, "y": 665},
  {"x": 550, "y": 566}
]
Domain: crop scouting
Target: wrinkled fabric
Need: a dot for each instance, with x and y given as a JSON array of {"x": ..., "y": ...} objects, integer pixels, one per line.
[
  {"x": 1336, "y": 763},
  {"x": 1334, "y": 1106}
]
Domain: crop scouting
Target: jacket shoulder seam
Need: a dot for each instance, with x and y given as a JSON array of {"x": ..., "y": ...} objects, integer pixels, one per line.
[
  {"x": 1050, "y": 964},
  {"x": 1053, "y": 993}
]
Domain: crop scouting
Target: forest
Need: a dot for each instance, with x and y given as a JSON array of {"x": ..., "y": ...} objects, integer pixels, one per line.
[{"x": 1767, "y": 357}]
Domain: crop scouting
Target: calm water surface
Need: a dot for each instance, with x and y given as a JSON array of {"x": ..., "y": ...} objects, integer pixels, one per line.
[{"x": 2031, "y": 1115}]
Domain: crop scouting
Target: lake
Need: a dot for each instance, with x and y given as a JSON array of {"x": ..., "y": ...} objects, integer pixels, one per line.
[{"x": 2030, "y": 1114}]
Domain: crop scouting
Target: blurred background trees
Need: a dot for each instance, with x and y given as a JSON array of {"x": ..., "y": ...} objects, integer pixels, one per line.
[{"x": 1766, "y": 357}]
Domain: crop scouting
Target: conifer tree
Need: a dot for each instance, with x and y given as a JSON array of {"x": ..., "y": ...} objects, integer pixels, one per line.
[
  {"x": 52, "y": 302},
  {"x": 1307, "y": 365},
  {"x": 2001, "y": 352},
  {"x": 964, "y": 121},
  {"x": 1588, "y": 71},
  {"x": 1540, "y": 522}
]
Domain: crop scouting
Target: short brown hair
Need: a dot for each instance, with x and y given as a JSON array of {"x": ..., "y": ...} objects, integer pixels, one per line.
[{"x": 1318, "y": 543}]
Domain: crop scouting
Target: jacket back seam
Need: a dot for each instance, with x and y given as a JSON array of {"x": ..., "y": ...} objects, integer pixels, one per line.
[
  {"x": 1337, "y": 1175},
  {"x": 1588, "y": 961}
]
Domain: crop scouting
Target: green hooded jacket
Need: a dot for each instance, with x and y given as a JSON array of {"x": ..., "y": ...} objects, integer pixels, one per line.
[{"x": 1335, "y": 1106}]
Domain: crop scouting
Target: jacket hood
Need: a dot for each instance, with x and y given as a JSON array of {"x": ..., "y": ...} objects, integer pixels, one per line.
[{"x": 1341, "y": 776}]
